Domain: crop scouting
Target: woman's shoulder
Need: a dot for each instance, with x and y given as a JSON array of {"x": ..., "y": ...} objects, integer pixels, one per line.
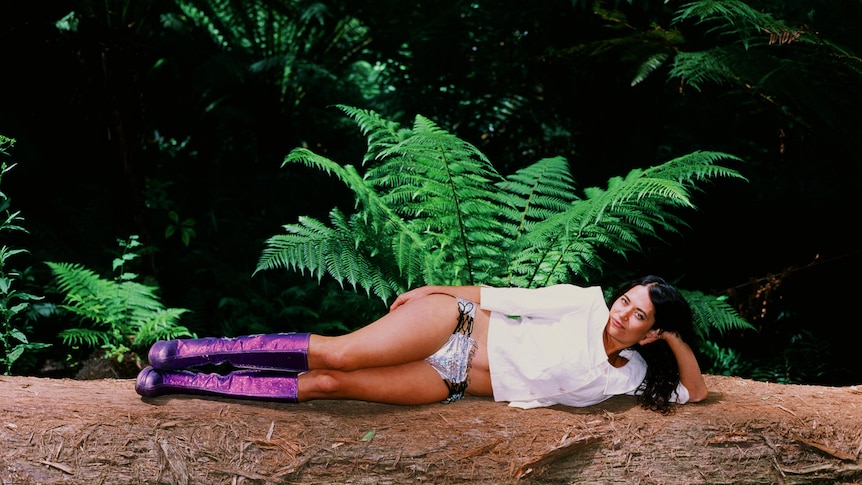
[{"x": 634, "y": 359}]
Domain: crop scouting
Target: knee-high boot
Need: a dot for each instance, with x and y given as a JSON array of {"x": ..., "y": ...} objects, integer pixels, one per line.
[
  {"x": 261, "y": 385},
  {"x": 282, "y": 351}
]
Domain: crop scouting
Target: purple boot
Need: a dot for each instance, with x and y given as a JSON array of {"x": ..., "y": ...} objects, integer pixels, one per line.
[
  {"x": 260, "y": 385},
  {"x": 281, "y": 351}
]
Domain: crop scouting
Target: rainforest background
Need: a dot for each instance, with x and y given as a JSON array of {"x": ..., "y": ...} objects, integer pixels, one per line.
[{"x": 157, "y": 130}]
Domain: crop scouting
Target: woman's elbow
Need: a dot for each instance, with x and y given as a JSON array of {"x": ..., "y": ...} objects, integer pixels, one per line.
[{"x": 698, "y": 395}]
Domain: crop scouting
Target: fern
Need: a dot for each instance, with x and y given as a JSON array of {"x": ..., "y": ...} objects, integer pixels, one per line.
[
  {"x": 732, "y": 18},
  {"x": 121, "y": 314},
  {"x": 713, "y": 313},
  {"x": 431, "y": 209},
  {"x": 294, "y": 44},
  {"x": 652, "y": 64},
  {"x": 793, "y": 364},
  {"x": 746, "y": 53},
  {"x": 569, "y": 244}
]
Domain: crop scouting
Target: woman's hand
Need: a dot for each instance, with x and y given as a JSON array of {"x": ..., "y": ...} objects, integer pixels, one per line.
[{"x": 413, "y": 294}]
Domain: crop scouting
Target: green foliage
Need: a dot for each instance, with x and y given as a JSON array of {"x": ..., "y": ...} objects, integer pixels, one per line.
[
  {"x": 723, "y": 361},
  {"x": 753, "y": 51},
  {"x": 713, "y": 313},
  {"x": 741, "y": 29},
  {"x": 295, "y": 44},
  {"x": 185, "y": 229},
  {"x": 121, "y": 314},
  {"x": 793, "y": 362},
  {"x": 431, "y": 209},
  {"x": 14, "y": 304}
]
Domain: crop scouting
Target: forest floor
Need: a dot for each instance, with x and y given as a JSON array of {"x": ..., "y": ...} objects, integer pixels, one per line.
[{"x": 101, "y": 432}]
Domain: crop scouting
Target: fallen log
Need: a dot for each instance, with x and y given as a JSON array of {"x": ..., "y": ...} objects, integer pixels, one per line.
[{"x": 100, "y": 431}]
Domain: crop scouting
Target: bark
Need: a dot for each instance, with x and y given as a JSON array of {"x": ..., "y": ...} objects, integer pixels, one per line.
[{"x": 68, "y": 431}]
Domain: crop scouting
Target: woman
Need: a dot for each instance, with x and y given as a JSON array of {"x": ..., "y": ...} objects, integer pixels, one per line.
[{"x": 530, "y": 347}]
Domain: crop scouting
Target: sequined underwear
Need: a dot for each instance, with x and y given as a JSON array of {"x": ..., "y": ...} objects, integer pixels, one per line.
[{"x": 453, "y": 359}]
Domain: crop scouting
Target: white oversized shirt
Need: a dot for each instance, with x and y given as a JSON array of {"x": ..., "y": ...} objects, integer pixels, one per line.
[{"x": 545, "y": 347}]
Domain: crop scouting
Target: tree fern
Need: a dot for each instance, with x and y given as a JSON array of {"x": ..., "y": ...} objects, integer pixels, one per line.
[
  {"x": 613, "y": 220},
  {"x": 431, "y": 209},
  {"x": 295, "y": 44}
]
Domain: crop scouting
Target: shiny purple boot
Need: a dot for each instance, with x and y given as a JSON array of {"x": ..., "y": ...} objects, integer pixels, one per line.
[
  {"x": 260, "y": 385},
  {"x": 282, "y": 351}
]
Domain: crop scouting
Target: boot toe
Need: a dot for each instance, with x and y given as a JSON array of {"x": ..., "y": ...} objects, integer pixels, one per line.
[
  {"x": 162, "y": 353},
  {"x": 149, "y": 382}
]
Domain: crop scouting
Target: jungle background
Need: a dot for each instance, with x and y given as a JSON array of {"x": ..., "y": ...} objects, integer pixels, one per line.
[{"x": 166, "y": 123}]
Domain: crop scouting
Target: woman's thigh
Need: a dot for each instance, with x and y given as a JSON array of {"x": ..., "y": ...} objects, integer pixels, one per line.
[
  {"x": 407, "y": 384},
  {"x": 410, "y": 333}
]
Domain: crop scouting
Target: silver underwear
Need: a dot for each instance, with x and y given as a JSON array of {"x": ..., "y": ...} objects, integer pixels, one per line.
[{"x": 453, "y": 359}]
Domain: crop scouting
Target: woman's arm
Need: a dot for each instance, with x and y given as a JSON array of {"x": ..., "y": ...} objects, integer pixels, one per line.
[
  {"x": 471, "y": 293},
  {"x": 689, "y": 370}
]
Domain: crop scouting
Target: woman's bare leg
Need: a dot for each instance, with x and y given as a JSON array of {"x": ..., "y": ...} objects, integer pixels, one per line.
[
  {"x": 409, "y": 333},
  {"x": 407, "y": 384}
]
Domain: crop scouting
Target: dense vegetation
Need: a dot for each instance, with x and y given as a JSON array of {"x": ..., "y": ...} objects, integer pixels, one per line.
[{"x": 168, "y": 122}]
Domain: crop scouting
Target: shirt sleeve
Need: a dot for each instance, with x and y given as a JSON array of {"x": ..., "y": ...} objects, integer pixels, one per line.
[{"x": 680, "y": 396}]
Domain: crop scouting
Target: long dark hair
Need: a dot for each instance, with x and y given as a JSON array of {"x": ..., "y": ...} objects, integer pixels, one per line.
[{"x": 672, "y": 314}]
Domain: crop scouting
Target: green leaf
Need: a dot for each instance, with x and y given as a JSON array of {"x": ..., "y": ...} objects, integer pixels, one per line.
[{"x": 19, "y": 335}]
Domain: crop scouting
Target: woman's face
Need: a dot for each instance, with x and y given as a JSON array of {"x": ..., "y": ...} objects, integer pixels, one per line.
[{"x": 632, "y": 316}]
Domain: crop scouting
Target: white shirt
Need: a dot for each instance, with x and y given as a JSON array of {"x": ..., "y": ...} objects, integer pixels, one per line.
[{"x": 545, "y": 347}]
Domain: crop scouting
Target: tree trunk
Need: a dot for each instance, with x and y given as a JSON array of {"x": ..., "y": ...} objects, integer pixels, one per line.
[{"x": 68, "y": 431}]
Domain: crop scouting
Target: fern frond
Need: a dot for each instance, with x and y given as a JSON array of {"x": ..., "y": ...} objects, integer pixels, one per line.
[
  {"x": 85, "y": 337},
  {"x": 440, "y": 185},
  {"x": 698, "y": 69},
  {"x": 694, "y": 167},
  {"x": 649, "y": 66},
  {"x": 730, "y": 17},
  {"x": 538, "y": 192},
  {"x": 713, "y": 313},
  {"x": 431, "y": 209},
  {"x": 381, "y": 133},
  {"x": 90, "y": 296},
  {"x": 120, "y": 312},
  {"x": 348, "y": 251},
  {"x": 161, "y": 325},
  {"x": 614, "y": 219}
]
